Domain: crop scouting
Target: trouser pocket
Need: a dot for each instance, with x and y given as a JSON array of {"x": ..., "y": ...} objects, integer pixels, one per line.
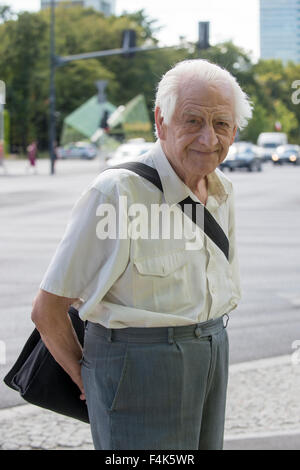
[
  {"x": 116, "y": 369},
  {"x": 104, "y": 365}
]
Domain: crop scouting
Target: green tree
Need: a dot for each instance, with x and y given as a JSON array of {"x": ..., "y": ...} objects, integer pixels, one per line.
[
  {"x": 286, "y": 117},
  {"x": 20, "y": 53},
  {"x": 24, "y": 66},
  {"x": 25, "y": 44},
  {"x": 6, "y": 13},
  {"x": 293, "y": 75},
  {"x": 259, "y": 123},
  {"x": 275, "y": 80}
]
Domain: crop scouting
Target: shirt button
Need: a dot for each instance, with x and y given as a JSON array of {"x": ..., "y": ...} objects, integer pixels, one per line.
[{"x": 198, "y": 331}]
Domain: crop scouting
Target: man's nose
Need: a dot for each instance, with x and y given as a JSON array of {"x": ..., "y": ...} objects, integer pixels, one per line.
[{"x": 207, "y": 136}]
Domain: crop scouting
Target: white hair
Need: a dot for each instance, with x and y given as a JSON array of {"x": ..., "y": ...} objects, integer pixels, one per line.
[{"x": 167, "y": 89}]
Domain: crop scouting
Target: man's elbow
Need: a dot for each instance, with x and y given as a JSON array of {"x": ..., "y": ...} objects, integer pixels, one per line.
[
  {"x": 37, "y": 314},
  {"x": 48, "y": 309}
]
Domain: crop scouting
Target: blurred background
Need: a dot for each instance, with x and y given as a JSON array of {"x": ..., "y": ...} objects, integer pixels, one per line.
[{"x": 77, "y": 87}]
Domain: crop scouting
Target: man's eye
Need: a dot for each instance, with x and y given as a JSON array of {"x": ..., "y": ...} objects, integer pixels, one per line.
[
  {"x": 222, "y": 124},
  {"x": 192, "y": 121}
]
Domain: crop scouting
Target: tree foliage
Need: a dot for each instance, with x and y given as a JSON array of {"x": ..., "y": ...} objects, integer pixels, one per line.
[
  {"x": 6, "y": 13},
  {"x": 24, "y": 66}
]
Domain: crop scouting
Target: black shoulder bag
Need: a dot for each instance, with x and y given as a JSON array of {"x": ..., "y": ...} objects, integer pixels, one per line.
[{"x": 36, "y": 375}]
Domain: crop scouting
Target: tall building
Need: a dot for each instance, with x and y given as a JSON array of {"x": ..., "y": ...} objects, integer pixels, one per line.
[
  {"x": 280, "y": 30},
  {"x": 105, "y": 6}
]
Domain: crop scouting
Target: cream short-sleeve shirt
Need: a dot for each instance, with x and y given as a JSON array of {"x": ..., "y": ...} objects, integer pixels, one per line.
[{"x": 131, "y": 281}]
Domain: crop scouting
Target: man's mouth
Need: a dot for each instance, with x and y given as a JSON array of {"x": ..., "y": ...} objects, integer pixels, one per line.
[{"x": 205, "y": 153}]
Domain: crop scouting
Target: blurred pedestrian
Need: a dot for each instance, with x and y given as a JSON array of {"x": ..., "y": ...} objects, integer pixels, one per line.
[
  {"x": 55, "y": 148},
  {"x": 32, "y": 150}
]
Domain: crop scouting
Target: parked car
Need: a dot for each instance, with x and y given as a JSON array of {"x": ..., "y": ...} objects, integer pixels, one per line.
[
  {"x": 129, "y": 151},
  {"x": 269, "y": 141},
  {"x": 243, "y": 155},
  {"x": 77, "y": 150},
  {"x": 287, "y": 154}
]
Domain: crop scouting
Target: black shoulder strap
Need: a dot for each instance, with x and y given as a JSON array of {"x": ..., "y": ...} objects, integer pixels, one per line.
[
  {"x": 211, "y": 227},
  {"x": 143, "y": 170}
]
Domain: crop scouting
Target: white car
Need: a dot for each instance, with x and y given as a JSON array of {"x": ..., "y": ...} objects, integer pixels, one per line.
[
  {"x": 269, "y": 141},
  {"x": 129, "y": 151},
  {"x": 77, "y": 150}
]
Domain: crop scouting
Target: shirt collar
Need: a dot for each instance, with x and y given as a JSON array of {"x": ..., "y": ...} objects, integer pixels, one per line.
[{"x": 174, "y": 188}]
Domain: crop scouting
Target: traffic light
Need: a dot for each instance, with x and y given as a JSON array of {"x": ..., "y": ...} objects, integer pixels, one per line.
[
  {"x": 104, "y": 124},
  {"x": 203, "y": 35},
  {"x": 128, "y": 41}
]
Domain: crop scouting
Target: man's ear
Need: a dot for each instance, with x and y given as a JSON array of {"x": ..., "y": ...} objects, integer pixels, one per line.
[
  {"x": 159, "y": 122},
  {"x": 233, "y": 135}
]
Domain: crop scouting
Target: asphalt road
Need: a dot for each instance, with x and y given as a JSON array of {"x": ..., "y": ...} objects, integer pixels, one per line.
[{"x": 34, "y": 210}]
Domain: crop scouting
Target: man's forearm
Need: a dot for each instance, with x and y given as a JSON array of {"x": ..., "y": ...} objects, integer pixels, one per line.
[
  {"x": 62, "y": 342},
  {"x": 55, "y": 327}
]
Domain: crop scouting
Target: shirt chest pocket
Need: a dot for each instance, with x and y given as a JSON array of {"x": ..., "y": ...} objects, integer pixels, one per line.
[{"x": 162, "y": 283}]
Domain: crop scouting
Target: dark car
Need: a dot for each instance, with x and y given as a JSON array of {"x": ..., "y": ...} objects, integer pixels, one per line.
[
  {"x": 286, "y": 154},
  {"x": 243, "y": 155}
]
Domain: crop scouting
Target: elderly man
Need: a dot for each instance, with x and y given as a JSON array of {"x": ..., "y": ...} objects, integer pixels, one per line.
[{"x": 155, "y": 361}]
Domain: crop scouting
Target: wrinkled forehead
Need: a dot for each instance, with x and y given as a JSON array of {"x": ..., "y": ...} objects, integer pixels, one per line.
[{"x": 204, "y": 94}]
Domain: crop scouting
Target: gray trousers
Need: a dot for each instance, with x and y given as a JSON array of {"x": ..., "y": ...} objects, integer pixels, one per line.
[{"x": 156, "y": 388}]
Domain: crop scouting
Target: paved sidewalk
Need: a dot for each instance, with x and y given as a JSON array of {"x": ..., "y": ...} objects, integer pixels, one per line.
[{"x": 263, "y": 400}]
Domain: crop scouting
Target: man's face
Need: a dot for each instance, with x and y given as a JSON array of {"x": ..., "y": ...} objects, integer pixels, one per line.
[{"x": 201, "y": 130}]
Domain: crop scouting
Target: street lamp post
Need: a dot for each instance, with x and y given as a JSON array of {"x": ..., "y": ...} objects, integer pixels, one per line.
[{"x": 52, "y": 123}]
